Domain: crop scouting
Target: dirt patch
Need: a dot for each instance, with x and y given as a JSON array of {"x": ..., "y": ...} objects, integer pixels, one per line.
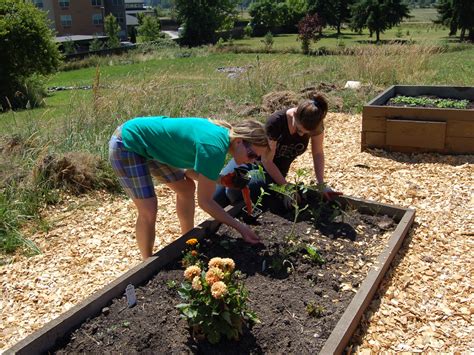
[
  {"x": 279, "y": 100},
  {"x": 297, "y": 299}
]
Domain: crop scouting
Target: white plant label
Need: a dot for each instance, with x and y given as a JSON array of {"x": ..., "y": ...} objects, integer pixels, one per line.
[{"x": 131, "y": 296}]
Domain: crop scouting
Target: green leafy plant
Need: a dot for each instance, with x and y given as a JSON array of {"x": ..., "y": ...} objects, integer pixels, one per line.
[
  {"x": 171, "y": 284},
  {"x": 258, "y": 202},
  {"x": 428, "y": 101},
  {"x": 315, "y": 310},
  {"x": 268, "y": 41},
  {"x": 313, "y": 254},
  {"x": 215, "y": 301},
  {"x": 292, "y": 192}
]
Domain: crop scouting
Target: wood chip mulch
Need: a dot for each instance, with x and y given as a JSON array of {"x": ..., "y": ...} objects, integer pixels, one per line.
[{"x": 425, "y": 302}]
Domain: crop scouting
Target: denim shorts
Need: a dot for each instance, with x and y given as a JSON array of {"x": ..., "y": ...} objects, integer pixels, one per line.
[{"x": 135, "y": 172}]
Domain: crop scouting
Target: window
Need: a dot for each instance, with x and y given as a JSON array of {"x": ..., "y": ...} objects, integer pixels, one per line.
[
  {"x": 38, "y": 3},
  {"x": 63, "y": 4},
  {"x": 96, "y": 2},
  {"x": 66, "y": 20},
  {"x": 117, "y": 2},
  {"x": 119, "y": 18},
  {"x": 97, "y": 19}
]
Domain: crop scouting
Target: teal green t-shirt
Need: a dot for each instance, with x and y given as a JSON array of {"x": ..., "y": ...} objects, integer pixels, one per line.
[{"x": 186, "y": 143}]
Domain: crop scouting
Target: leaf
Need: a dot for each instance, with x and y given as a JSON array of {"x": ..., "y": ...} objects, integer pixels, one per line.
[{"x": 226, "y": 316}]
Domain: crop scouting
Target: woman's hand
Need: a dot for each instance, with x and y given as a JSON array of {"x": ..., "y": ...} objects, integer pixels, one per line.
[{"x": 248, "y": 234}]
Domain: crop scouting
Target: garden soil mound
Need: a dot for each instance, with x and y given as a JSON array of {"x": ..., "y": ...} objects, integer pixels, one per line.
[
  {"x": 297, "y": 300},
  {"x": 424, "y": 304}
]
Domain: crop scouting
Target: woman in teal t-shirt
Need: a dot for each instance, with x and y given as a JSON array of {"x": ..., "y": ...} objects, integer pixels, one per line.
[{"x": 177, "y": 151}]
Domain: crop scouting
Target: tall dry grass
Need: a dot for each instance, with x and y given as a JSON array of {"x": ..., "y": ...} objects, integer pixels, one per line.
[{"x": 391, "y": 64}]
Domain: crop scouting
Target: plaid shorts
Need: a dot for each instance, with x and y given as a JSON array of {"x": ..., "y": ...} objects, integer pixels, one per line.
[{"x": 135, "y": 172}]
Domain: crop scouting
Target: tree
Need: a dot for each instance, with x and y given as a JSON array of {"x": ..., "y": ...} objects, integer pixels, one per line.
[
  {"x": 267, "y": 14},
  {"x": 309, "y": 29},
  {"x": 378, "y": 15},
  {"x": 457, "y": 15},
  {"x": 27, "y": 49},
  {"x": 332, "y": 12},
  {"x": 296, "y": 10},
  {"x": 95, "y": 45},
  {"x": 202, "y": 18},
  {"x": 112, "y": 29},
  {"x": 150, "y": 28}
]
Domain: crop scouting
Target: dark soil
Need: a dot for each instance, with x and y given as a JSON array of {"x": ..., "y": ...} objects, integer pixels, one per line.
[
  {"x": 470, "y": 105},
  {"x": 282, "y": 289}
]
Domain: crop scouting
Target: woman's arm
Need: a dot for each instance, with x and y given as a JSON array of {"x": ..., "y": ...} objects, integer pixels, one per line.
[
  {"x": 205, "y": 191},
  {"x": 317, "y": 150}
]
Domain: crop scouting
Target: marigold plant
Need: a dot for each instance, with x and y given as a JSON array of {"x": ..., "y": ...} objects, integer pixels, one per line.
[
  {"x": 191, "y": 253},
  {"x": 215, "y": 301}
]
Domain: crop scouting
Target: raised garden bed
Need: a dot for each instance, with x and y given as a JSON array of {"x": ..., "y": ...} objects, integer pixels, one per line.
[
  {"x": 303, "y": 305},
  {"x": 409, "y": 128}
]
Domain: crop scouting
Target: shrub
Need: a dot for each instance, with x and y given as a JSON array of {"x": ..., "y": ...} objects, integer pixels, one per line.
[
  {"x": 248, "y": 31},
  {"x": 150, "y": 28},
  {"x": 112, "y": 30},
  {"x": 309, "y": 29},
  {"x": 27, "y": 46},
  {"x": 268, "y": 41},
  {"x": 216, "y": 301}
]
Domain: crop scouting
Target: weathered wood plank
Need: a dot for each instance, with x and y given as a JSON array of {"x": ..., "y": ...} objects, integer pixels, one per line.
[
  {"x": 460, "y": 145},
  {"x": 375, "y": 139},
  {"x": 422, "y": 134},
  {"x": 374, "y": 124},
  {"x": 458, "y": 128}
]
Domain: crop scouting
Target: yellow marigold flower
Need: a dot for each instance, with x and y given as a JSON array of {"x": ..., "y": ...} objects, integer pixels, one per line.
[
  {"x": 228, "y": 264},
  {"x": 192, "y": 241},
  {"x": 192, "y": 271},
  {"x": 215, "y": 262},
  {"x": 218, "y": 290},
  {"x": 213, "y": 275},
  {"x": 196, "y": 284}
]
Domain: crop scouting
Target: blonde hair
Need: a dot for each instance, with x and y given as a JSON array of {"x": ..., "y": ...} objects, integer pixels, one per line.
[
  {"x": 250, "y": 131},
  {"x": 310, "y": 113}
]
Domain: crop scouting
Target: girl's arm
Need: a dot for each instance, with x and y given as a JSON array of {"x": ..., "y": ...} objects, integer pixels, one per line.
[
  {"x": 270, "y": 166},
  {"x": 205, "y": 191},
  {"x": 317, "y": 150}
]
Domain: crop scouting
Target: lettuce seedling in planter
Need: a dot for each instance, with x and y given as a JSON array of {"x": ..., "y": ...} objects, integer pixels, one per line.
[{"x": 215, "y": 301}]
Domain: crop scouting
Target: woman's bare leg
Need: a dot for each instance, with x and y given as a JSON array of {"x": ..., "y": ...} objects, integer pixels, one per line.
[
  {"x": 145, "y": 225},
  {"x": 184, "y": 202}
]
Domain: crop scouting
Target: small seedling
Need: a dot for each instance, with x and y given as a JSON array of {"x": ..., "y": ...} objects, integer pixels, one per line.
[
  {"x": 171, "y": 284},
  {"x": 313, "y": 254},
  {"x": 315, "y": 310}
]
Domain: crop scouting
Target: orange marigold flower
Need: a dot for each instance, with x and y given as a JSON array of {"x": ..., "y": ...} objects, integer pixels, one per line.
[
  {"x": 215, "y": 262},
  {"x": 213, "y": 275},
  {"x": 192, "y": 271},
  {"x": 196, "y": 284},
  {"x": 192, "y": 241},
  {"x": 218, "y": 290},
  {"x": 194, "y": 253},
  {"x": 228, "y": 264}
]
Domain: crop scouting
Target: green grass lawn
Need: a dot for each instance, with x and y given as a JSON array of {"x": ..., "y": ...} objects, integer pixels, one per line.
[
  {"x": 420, "y": 33},
  {"x": 423, "y": 15}
]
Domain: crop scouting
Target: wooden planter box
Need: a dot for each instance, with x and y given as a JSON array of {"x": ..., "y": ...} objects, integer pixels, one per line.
[
  {"x": 419, "y": 129},
  {"x": 52, "y": 333}
]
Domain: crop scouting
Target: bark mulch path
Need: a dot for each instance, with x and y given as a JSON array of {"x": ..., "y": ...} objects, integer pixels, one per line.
[{"x": 425, "y": 303}]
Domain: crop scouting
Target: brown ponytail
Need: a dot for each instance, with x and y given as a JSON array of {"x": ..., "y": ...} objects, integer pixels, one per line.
[{"x": 310, "y": 113}]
